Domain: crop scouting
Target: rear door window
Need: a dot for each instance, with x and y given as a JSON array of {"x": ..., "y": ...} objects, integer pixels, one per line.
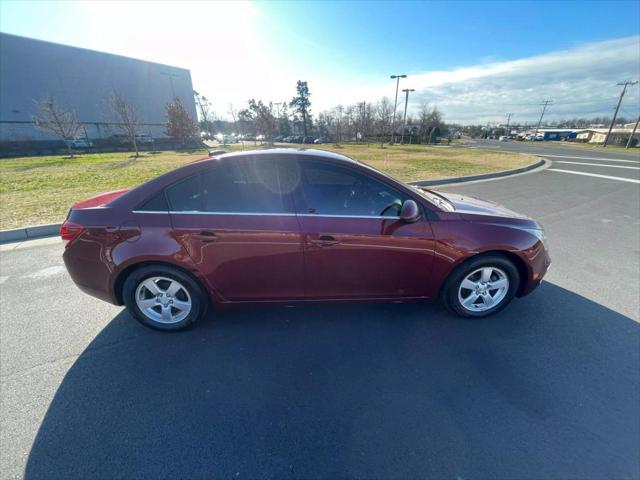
[{"x": 244, "y": 185}]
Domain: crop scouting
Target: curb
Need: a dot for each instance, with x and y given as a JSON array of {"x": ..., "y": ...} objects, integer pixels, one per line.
[
  {"x": 29, "y": 233},
  {"x": 41, "y": 231},
  {"x": 485, "y": 176}
]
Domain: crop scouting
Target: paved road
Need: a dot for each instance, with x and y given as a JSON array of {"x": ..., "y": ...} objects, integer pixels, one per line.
[{"x": 547, "y": 389}]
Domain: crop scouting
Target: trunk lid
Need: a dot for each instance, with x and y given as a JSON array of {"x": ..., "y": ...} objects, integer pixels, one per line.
[{"x": 99, "y": 200}]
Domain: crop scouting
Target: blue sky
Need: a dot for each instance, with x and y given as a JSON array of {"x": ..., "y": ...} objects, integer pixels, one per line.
[{"x": 474, "y": 60}]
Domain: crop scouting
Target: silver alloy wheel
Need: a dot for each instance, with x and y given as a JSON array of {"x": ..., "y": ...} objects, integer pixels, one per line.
[
  {"x": 483, "y": 289},
  {"x": 163, "y": 300}
]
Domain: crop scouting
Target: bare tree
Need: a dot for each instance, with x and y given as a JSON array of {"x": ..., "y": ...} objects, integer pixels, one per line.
[
  {"x": 338, "y": 123},
  {"x": 384, "y": 113},
  {"x": 127, "y": 118},
  {"x": 234, "y": 116},
  {"x": 423, "y": 118},
  {"x": 52, "y": 118}
]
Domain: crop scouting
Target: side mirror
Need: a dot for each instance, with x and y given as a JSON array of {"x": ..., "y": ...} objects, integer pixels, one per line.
[{"x": 410, "y": 211}]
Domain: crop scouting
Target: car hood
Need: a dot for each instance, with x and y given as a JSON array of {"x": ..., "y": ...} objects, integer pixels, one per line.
[{"x": 474, "y": 206}]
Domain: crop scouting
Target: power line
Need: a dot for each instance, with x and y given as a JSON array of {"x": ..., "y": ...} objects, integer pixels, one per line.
[{"x": 624, "y": 84}]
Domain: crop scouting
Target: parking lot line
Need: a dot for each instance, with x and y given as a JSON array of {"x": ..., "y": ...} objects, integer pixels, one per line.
[
  {"x": 597, "y": 164},
  {"x": 608, "y": 177},
  {"x": 591, "y": 158}
]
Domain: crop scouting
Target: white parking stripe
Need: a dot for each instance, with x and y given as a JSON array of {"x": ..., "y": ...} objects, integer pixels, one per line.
[
  {"x": 597, "y": 164},
  {"x": 590, "y": 158},
  {"x": 620, "y": 179}
]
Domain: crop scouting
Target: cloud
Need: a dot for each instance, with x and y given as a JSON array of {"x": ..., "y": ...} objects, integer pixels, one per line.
[{"x": 581, "y": 82}]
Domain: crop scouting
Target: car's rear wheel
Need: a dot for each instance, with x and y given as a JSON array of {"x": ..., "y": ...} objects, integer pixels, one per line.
[
  {"x": 482, "y": 286},
  {"x": 163, "y": 297}
]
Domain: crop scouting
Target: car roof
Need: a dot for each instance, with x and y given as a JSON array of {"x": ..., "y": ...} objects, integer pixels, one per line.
[{"x": 311, "y": 152}]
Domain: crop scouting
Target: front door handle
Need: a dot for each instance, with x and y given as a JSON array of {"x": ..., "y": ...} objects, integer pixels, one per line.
[{"x": 324, "y": 241}]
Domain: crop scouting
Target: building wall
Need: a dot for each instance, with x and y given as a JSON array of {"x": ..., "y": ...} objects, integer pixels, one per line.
[{"x": 82, "y": 81}]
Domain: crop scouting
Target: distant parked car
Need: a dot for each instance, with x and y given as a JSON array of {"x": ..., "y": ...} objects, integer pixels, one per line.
[
  {"x": 144, "y": 138},
  {"x": 204, "y": 234},
  {"x": 308, "y": 139},
  {"x": 321, "y": 140},
  {"x": 503, "y": 138},
  {"x": 279, "y": 138},
  {"x": 81, "y": 143},
  {"x": 225, "y": 139}
]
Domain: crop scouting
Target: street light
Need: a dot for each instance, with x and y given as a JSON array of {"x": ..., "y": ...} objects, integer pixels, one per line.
[
  {"x": 406, "y": 101},
  {"x": 395, "y": 104}
]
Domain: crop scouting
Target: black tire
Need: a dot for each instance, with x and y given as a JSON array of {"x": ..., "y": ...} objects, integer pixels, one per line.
[
  {"x": 450, "y": 291},
  {"x": 195, "y": 293}
]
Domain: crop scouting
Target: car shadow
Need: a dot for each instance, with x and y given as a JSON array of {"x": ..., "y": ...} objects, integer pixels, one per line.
[{"x": 548, "y": 388}]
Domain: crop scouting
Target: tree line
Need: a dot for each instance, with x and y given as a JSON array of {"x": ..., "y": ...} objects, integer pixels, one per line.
[
  {"x": 364, "y": 121},
  {"x": 360, "y": 122}
]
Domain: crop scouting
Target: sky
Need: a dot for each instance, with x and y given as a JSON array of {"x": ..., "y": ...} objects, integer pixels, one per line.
[{"x": 475, "y": 61}]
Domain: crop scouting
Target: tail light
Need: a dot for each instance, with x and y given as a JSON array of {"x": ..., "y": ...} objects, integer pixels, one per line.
[{"x": 69, "y": 231}]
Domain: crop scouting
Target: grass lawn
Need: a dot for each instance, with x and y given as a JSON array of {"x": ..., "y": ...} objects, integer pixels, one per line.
[{"x": 40, "y": 190}]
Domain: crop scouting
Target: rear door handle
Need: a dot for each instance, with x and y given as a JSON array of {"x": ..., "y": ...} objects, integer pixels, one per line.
[
  {"x": 206, "y": 236},
  {"x": 324, "y": 241}
]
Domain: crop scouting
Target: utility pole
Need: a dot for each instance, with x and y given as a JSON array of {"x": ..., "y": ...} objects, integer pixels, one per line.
[
  {"x": 395, "y": 105},
  {"x": 508, "y": 120},
  {"x": 635, "y": 127},
  {"x": 544, "y": 104},
  {"x": 613, "y": 121},
  {"x": 406, "y": 101}
]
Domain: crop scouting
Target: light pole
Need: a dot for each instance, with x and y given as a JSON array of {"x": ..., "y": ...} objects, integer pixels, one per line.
[
  {"x": 406, "y": 101},
  {"x": 395, "y": 105}
]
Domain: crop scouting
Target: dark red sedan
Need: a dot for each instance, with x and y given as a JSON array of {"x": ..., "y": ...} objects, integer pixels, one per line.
[{"x": 289, "y": 226}]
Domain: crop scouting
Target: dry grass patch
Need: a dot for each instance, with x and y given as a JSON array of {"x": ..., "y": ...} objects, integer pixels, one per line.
[{"x": 40, "y": 190}]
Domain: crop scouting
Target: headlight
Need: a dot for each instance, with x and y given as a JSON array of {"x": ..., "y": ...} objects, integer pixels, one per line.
[{"x": 539, "y": 234}]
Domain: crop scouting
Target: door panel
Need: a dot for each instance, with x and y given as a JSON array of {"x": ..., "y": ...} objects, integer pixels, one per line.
[
  {"x": 366, "y": 257},
  {"x": 355, "y": 245},
  {"x": 240, "y": 230},
  {"x": 245, "y": 257}
]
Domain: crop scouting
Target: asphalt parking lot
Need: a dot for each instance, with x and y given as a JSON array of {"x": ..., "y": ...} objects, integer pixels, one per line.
[{"x": 549, "y": 388}]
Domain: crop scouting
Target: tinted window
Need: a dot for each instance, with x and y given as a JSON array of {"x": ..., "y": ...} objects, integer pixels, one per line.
[
  {"x": 329, "y": 189},
  {"x": 157, "y": 203},
  {"x": 233, "y": 186}
]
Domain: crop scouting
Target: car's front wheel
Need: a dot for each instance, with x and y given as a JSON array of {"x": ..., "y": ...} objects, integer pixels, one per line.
[
  {"x": 163, "y": 297},
  {"x": 482, "y": 286}
]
